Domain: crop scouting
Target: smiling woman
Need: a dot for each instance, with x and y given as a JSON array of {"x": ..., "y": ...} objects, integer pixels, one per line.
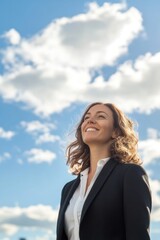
[
  {"x": 110, "y": 198},
  {"x": 111, "y": 121}
]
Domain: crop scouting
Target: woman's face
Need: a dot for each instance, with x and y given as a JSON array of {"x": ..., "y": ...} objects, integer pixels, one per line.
[{"x": 98, "y": 126}]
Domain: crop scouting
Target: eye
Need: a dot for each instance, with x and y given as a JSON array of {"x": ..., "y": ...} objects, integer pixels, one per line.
[
  {"x": 85, "y": 118},
  {"x": 101, "y": 116}
]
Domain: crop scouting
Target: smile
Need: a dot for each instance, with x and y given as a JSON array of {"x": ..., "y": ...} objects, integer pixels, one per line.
[{"x": 91, "y": 129}]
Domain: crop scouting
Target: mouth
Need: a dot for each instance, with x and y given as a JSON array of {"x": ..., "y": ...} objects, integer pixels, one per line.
[{"x": 91, "y": 129}]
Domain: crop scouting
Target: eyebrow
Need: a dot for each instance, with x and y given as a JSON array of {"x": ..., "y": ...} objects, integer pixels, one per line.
[{"x": 98, "y": 112}]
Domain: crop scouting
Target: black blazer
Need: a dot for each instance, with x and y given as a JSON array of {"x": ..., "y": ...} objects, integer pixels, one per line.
[{"x": 117, "y": 207}]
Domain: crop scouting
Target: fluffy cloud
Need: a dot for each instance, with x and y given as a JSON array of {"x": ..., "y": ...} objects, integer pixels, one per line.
[
  {"x": 36, "y": 155},
  {"x": 53, "y": 69},
  {"x": 150, "y": 148},
  {"x": 41, "y": 131},
  {"x": 6, "y": 134},
  {"x": 35, "y": 218},
  {"x": 37, "y": 126},
  {"x": 12, "y": 36},
  {"x": 150, "y": 152},
  {"x": 130, "y": 85},
  {"x": 155, "y": 187},
  {"x": 153, "y": 133},
  {"x": 100, "y": 36},
  {"x": 93, "y": 39},
  {"x": 47, "y": 137}
]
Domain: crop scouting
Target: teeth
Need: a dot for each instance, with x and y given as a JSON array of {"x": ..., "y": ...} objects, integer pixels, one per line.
[{"x": 91, "y": 130}]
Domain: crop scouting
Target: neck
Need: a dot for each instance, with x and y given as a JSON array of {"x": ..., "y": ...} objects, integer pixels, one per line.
[{"x": 97, "y": 153}]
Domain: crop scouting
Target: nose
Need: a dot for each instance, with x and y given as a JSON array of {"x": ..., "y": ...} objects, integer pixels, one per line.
[{"x": 91, "y": 119}]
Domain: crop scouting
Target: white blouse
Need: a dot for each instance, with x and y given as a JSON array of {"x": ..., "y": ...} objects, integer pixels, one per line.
[{"x": 74, "y": 209}]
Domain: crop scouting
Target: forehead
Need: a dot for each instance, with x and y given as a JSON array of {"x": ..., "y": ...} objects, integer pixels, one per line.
[{"x": 99, "y": 108}]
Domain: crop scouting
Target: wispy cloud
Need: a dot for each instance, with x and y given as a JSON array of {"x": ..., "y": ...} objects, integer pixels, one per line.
[
  {"x": 4, "y": 156},
  {"x": 53, "y": 69},
  {"x": 37, "y": 126},
  {"x": 36, "y": 155},
  {"x": 42, "y": 132},
  {"x": 47, "y": 137},
  {"x": 6, "y": 134}
]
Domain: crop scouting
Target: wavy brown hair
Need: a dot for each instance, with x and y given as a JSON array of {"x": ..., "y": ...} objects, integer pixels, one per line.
[{"x": 123, "y": 147}]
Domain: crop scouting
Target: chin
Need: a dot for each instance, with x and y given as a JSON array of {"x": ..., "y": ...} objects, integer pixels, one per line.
[{"x": 91, "y": 141}]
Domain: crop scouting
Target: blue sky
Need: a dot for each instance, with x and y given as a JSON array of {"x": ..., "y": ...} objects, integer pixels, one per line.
[{"x": 55, "y": 58}]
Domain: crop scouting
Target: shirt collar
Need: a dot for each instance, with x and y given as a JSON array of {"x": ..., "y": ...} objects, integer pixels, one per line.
[
  {"x": 84, "y": 172},
  {"x": 100, "y": 164}
]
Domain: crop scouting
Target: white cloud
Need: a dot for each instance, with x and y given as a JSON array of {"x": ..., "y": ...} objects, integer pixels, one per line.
[
  {"x": 6, "y": 134},
  {"x": 36, "y": 155},
  {"x": 46, "y": 89},
  {"x": 41, "y": 131},
  {"x": 47, "y": 137},
  {"x": 35, "y": 218},
  {"x": 6, "y": 238},
  {"x": 135, "y": 85},
  {"x": 155, "y": 189},
  {"x": 37, "y": 126},
  {"x": 95, "y": 38},
  {"x": 150, "y": 151},
  {"x": 12, "y": 36},
  {"x": 8, "y": 229},
  {"x": 51, "y": 70},
  {"x": 149, "y": 148},
  {"x": 4, "y": 156},
  {"x": 153, "y": 133},
  {"x": 100, "y": 36}
]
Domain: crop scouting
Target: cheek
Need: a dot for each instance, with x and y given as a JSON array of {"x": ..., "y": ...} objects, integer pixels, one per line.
[
  {"x": 109, "y": 129},
  {"x": 83, "y": 125},
  {"x": 82, "y": 129}
]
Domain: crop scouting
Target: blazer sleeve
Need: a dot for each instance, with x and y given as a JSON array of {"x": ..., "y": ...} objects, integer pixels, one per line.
[
  {"x": 60, "y": 219},
  {"x": 137, "y": 203}
]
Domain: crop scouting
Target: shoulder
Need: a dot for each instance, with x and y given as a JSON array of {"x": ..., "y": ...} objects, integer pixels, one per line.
[
  {"x": 132, "y": 171},
  {"x": 131, "y": 167},
  {"x": 67, "y": 186},
  {"x": 135, "y": 169},
  {"x": 135, "y": 175}
]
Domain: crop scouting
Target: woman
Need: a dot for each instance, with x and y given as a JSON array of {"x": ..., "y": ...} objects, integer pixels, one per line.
[{"x": 110, "y": 198}]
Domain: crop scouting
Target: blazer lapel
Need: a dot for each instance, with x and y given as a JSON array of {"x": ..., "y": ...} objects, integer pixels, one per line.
[
  {"x": 104, "y": 174},
  {"x": 70, "y": 193},
  {"x": 65, "y": 204}
]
